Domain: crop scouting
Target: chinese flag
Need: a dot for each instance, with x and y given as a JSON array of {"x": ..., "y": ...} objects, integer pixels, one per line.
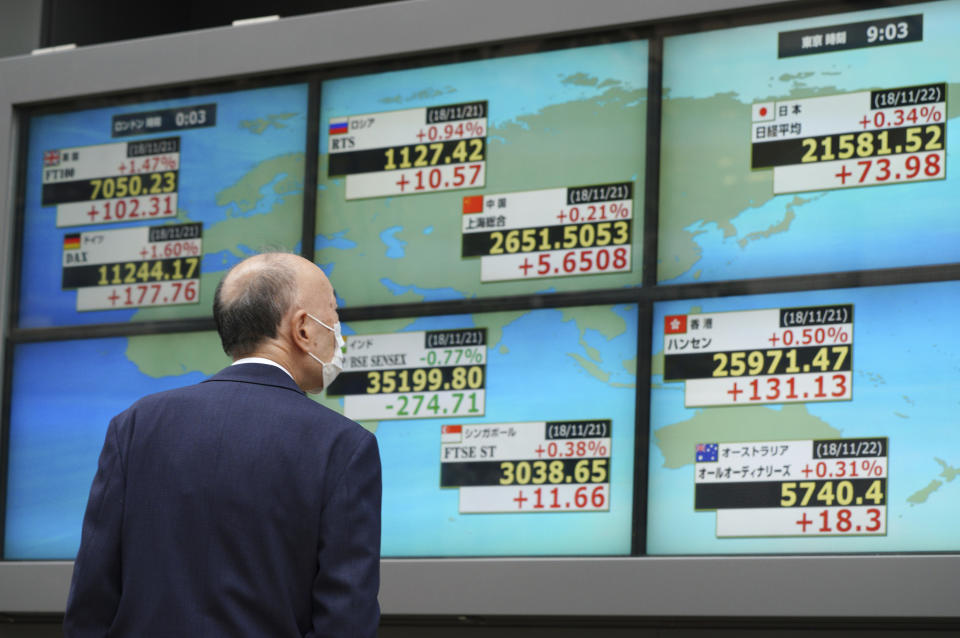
[
  {"x": 473, "y": 204},
  {"x": 674, "y": 324}
]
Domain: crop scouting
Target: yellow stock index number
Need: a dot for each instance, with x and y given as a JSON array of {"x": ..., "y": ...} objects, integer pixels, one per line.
[
  {"x": 424, "y": 379},
  {"x": 470, "y": 150},
  {"x": 134, "y": 185},
  {"x": 554, "y": 472},
  {"x": 755, "y": 362},
  {"x": 146, "y": 271},
  {"x": 801, "y": 493},
  {"x": 872, "y": 143},
  {"x": 525, "y": 240}
]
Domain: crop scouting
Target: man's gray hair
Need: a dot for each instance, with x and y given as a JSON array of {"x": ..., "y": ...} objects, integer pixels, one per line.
[{"x": 254, "y": 306}]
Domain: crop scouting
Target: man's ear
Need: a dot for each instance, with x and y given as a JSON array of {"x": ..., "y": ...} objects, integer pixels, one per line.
[{"x": 298, "y": 330}]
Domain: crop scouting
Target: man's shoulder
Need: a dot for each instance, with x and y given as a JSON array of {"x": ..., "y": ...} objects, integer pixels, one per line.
[
  {"x": 173, "y": 395},
  {"x": 245, "y": 379},
  {"x": 269, "y": 400},
  {"x": 164, "y": 397}
]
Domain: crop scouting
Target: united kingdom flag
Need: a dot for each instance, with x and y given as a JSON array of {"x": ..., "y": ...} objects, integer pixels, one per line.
[{"x": 51, "y": 158}]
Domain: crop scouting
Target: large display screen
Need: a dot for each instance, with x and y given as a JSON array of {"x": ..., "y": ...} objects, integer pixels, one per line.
[
  {"x": 514, "y": 175},
  {"x": 501, "y": 434},
  {"x": 494, "y": 440},
  {"x": 63, "y": 396},
  {"x": 818, "y": 421},
  {"x": 810, "y": 146},
  {"x": 811, "y": 421},
  {"x": 134, "y": 212}
]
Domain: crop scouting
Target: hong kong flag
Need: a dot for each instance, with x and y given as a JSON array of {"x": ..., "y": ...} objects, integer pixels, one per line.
[{"x": 675, "y": 324}]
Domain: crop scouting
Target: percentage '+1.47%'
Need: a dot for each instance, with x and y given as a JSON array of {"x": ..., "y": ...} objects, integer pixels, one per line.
[{"x": 149, "y": 165}]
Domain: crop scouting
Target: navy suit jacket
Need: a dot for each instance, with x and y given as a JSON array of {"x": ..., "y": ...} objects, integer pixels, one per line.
[{"x": 234, "y": 507}]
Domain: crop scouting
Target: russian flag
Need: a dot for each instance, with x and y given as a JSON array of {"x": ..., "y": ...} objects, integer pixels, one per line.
[{"x": 339, "y": 126}]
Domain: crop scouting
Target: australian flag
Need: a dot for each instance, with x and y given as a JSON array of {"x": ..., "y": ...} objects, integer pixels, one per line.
[{"x": 707, "y": 452}]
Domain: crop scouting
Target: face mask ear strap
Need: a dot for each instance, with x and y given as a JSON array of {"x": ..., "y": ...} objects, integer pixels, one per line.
[{"x": 321, "y": 323}]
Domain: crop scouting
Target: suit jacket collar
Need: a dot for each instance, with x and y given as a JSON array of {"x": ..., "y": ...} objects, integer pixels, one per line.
[{"x": 257, "y": 373}]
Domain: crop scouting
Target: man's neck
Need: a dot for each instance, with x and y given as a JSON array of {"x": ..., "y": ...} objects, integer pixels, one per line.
[
  {"x": 264, "y": 361},
  {"x": 277, "y": 356}
]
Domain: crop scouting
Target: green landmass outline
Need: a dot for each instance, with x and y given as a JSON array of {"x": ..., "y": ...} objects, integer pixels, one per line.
[
  {"x": 529, "y": 153},
  {"x": 698, "y": 188},
  {"x": 258, "y": 125},
  {"x": 792, "y": 422},
  {"x": 948, "y": 473}
]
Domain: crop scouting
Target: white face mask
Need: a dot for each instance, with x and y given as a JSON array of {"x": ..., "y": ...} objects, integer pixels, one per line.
[{"x": 335, "y": 367}]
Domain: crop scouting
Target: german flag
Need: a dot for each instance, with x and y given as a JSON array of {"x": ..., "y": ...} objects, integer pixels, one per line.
[{"x": 71, "y": 242}]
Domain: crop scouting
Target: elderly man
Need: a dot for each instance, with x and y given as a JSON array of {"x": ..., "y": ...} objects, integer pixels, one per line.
[{"x": 238, "y": 506}]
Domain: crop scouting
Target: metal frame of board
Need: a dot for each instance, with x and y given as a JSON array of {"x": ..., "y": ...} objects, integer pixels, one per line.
[{"x": 886, "y": 586}]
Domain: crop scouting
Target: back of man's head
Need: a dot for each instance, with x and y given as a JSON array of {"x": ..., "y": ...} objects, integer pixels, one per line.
[{"x": 252, "y": 299}]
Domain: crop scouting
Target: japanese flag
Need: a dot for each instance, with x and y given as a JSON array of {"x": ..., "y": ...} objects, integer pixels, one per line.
[{"x": 764, "y": 112}]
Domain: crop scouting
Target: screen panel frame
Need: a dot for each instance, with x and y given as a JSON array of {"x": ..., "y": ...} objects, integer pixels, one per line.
[
  {"x": 767, "y": 586},
  {"x": 796, "y": 586},
  {"x": 134, "y": 100}
]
